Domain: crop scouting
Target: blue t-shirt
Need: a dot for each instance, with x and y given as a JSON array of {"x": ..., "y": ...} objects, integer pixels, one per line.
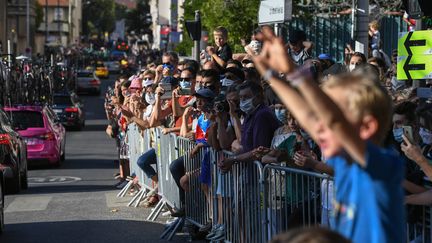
[{"x": 369, "y": 201}]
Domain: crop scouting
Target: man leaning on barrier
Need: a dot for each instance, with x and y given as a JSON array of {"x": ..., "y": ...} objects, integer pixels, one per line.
[{"x": 258, "y": 127}]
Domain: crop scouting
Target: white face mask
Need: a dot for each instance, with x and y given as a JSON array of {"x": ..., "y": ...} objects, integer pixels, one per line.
[
  {"x": 150, "y": 98},
  {"x": 227, "y": 82},
  {"x": 351, "y": 67},
  {"x": 425, "y": 135}
]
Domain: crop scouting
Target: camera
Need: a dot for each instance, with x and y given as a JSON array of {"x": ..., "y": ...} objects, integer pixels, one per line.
[{"x": 220, "y": 104}]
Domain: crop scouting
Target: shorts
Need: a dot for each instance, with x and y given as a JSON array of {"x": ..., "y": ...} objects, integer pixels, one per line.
[{"x": 205, "y": 175}]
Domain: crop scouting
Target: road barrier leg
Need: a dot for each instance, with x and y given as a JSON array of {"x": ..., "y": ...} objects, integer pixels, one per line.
[
  {"x": 156, "y": 211},
  {"x": 137, "y": 198},
  {"x": 123, "y": 192}
]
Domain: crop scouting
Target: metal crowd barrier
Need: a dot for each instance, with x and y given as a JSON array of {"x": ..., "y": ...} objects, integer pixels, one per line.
[
  {"x": 293, "y": 198},
  {"x": 197, "y": 205},
  {"x": 252, "y": 202},
  {"x": 167, "y": 188}
]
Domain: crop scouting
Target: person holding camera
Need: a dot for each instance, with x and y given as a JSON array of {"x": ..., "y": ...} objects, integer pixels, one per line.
[{"x": 169, "y": 66}]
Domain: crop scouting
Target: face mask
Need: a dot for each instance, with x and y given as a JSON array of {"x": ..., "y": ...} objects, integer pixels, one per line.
[
  {"x": 281, "y": 115},
  {"x": 425, "y": 135},
  {"x": 351, "y": 67},
  {"x": 198, "y": 87},
  {"x": 227, "y": 82},
  {"x": 247, "y": 106},
  {"x": 150, "y": 98},
  {"x": 185, "y": 84},
  {"x": 397, "y": 134}
]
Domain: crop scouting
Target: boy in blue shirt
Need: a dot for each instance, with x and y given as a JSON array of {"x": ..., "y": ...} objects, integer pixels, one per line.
[{"x": 349, "y": 119}]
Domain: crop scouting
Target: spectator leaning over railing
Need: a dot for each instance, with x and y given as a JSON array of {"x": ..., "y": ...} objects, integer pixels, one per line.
[
  {"x": 201, "y": 123},
  {"x": 221, "y": 136},
  {"x": 258, "y": 128},
  {"x": 352, "y": 123},
  {"x": 124, "y": 148}
]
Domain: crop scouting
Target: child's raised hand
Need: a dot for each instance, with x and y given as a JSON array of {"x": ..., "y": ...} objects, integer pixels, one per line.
[{"x": 273, "y": 55}]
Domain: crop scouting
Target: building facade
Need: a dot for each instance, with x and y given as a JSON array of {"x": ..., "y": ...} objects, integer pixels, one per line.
[{"x": 61, "y": 25}]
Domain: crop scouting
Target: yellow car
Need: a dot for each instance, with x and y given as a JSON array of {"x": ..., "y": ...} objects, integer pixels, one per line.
[{"x": 101, "y": 70}]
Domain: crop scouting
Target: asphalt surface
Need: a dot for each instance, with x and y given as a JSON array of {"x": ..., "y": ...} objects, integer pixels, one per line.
[{"x": 77, "y": 202}]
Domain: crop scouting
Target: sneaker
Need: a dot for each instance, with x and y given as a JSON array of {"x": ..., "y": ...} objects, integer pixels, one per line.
[
  {"x": 213, "y": 231},
  {"x": 218, "y": 235},
  {"x": 206, "y": 228},
  {"x": 118, "y": 183},
  {"x": 122, "y": 184},
  {"x": 179, "y": 213}
]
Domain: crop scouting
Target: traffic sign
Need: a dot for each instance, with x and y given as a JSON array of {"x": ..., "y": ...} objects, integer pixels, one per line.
[
  {"x": 274, "y": 11},
  {"x": 417, "y": 42},
  {"x": 414, "y": 67},
  {"x": 414, "y": 55}
]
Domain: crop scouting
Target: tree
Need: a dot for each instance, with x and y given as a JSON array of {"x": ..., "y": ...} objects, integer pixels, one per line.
[
  {"x": 139, "y": 19},
  {"x": 39, "y": 14},
  {"x": 240, "y": 17},
  {"x": 98, "y": 16}
]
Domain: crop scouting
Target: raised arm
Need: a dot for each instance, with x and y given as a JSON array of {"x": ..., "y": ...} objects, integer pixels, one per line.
[{"x": 313, "y": 99}]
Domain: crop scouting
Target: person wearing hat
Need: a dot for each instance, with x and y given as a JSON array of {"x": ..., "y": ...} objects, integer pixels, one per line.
[
  {"x": 201, "y": 123},
  {"x": 298, "y": 48}
]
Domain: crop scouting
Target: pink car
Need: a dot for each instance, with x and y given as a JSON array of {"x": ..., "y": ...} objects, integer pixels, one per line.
[{"x": 40, "y": 128}]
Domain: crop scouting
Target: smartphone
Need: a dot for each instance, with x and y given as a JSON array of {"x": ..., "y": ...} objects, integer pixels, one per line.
[
  {"x": 186, "y": 91},
  {"x": 168, "y": 91},
  {"x": 408, "y": 132}
]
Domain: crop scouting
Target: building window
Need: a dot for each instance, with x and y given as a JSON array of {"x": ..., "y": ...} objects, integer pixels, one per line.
[{"x": 58, "y": 14}]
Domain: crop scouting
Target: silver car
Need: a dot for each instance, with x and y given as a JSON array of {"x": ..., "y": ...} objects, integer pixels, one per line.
[{"x": 88, "y": 82}]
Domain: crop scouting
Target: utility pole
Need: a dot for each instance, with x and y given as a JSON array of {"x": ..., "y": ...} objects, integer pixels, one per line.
[
  {"x": 28, "y": 23},
  {"x": 46, "y": 21},
  {"x": 197, "y": 42},
  {"x": 361, "y": 12},
  {"x": 58, "y": 21}
]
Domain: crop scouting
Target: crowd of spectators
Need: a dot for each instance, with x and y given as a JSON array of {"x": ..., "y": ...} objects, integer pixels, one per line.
[{"x": 279, "y": 104}]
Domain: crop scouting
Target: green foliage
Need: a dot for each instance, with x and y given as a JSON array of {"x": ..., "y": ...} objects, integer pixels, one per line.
[
  {"x": 101, "y": 15},
  {"x": 240, "y": 17},
  {"x": 121, "y": 11},
  {"x": 136, "y": 19},
  {"x": 39, "y": 14}
]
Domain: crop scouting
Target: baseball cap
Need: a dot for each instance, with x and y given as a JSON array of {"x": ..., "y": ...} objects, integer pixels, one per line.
[
  {"x": 205, "y": 93},
  {"x": 324, "y": 56}
]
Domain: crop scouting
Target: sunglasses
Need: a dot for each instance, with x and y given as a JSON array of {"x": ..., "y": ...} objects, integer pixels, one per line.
[{"x": 185, "y": 79}]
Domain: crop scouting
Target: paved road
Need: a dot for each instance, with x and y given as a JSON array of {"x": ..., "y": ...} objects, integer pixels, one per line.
[{"x": 76, "y": 202}]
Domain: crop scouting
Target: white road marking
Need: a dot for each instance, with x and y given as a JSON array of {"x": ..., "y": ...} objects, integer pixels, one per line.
[{"x": 25, "y": 204}]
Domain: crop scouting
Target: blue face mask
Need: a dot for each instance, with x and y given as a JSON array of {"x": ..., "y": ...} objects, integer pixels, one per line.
[
  {"x": 198, "y": 87},
  {"x": 397, "y": 134},
  {"x": 281, "y": 115},
  {"x": 185, "y": 84}
]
